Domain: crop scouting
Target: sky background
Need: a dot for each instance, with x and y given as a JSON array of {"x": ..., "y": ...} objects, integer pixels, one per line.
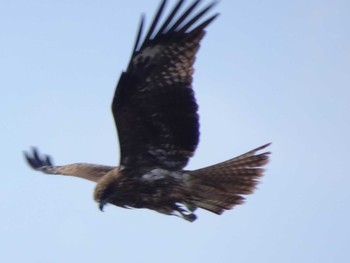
[{"x": 267, "y": 71}]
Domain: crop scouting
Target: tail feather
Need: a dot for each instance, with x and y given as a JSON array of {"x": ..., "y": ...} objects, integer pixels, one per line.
[{"x": 219, "y": 187}]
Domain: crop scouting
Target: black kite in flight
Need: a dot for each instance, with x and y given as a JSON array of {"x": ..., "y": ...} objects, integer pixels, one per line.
[{"x": 155, "y": 112}]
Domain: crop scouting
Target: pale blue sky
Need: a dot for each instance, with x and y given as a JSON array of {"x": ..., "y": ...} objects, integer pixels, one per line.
[{"x": 267, "y": 71}]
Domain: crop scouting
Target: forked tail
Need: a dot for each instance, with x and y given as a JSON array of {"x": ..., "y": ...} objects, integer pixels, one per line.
[{"x": 220, "y": 187}]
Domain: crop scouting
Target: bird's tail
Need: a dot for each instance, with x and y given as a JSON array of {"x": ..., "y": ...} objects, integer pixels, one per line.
[{"x": 219, "y": 187}]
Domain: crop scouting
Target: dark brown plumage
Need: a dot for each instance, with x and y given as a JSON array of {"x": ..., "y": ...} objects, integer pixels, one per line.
[
  {"x": 154, "y": 106},
  {"x": 155, "y": 112}
]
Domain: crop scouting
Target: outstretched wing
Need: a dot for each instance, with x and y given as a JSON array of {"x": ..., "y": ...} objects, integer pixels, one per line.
[{"x": 154, "y": 105}]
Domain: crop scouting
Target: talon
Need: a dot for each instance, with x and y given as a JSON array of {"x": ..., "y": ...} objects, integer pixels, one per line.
[{"x": 190, "y": 217}]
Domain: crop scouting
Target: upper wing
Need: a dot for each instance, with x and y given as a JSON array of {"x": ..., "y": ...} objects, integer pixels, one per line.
[{"x": 154, "y": 106}]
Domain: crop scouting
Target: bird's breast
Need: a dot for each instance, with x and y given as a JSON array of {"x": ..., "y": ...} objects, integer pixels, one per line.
[{"x": 156, "y": 186}]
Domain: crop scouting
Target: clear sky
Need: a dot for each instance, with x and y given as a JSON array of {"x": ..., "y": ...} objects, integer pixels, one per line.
[{"x": 267, "y": 71}]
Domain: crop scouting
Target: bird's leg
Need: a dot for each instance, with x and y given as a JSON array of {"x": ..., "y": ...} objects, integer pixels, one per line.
[{"x": 187, "y": 215}]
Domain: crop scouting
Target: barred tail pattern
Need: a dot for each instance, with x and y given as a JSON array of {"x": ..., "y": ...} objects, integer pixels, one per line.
[{"x": 219, "y": 187}]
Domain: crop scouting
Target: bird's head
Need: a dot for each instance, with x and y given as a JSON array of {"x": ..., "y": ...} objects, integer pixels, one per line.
[{"x": 105, "y": 188}]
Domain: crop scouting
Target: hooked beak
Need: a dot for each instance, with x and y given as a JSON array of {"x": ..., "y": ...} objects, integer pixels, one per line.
[{"x": 102, "y": 204}]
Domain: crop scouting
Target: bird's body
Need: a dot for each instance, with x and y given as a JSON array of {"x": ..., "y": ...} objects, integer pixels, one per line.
[
  {"x": 160, "y": 190},
  {"x": 156, "y": 115}
]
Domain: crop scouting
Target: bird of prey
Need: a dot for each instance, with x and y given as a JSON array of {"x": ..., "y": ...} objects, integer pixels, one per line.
[{"x": 156, "y": 116}]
